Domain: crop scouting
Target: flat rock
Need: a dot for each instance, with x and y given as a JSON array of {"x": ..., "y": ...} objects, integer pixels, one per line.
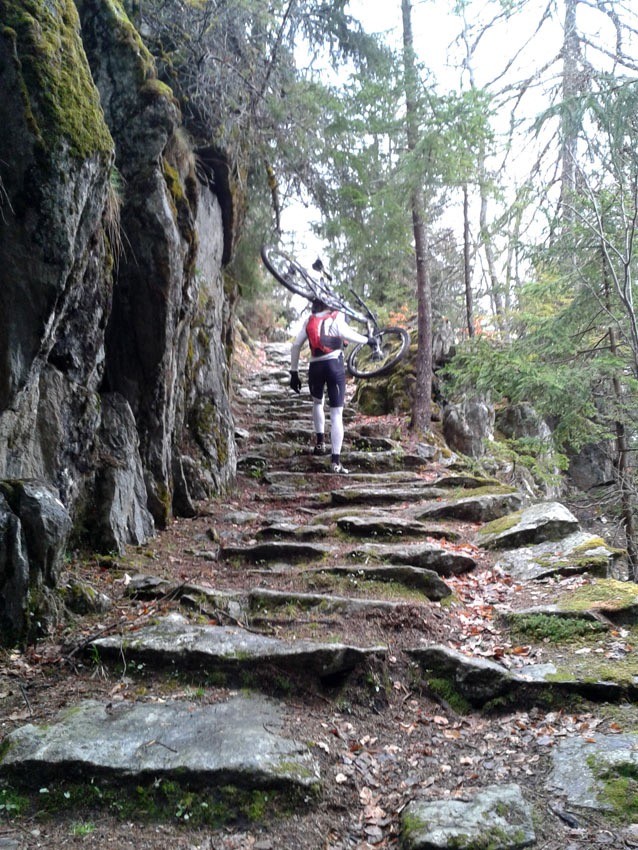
[
  {"x": 385, "y": 495},
  {"x": 426, "y": 581},
  {"x": 535, "y": 524},
  {"x": 483, "y": 508},
  {"x": 498, "y": 817},
  {"x": 389, "y": 525},
  {"x": 290, "y": 531},
  {"x": 276, "y": 550},
  {"x": 175, "y": 641},
  {"x": 579, "y": 762},
  {"x": 577, "y": 553},
  {"x": 231, "y": 742},
  {"x": 424, "y": 555},
  {"x": 477, "y": 679},
  {"x": 266, "y": 601}
]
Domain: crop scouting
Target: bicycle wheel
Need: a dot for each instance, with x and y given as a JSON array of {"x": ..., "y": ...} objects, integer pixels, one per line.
[
  {"x": 394, "y": 344},
  {"x": 288, "y": 272}
]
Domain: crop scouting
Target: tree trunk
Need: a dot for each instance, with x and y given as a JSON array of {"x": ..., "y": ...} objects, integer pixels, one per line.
[
  {"x": 467, "y": 271},
  {"x": 422, "y": 407}
]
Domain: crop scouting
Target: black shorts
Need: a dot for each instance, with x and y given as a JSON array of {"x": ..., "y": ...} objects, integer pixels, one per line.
[{"x": 331, "y": 373}]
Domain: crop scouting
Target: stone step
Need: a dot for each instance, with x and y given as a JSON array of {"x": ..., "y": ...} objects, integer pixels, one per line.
[
  {"x": 265, "y": 601},
  {"x": 480, "y": 680},
  {"x": 430, "y": 556},
  {"x": 483, "y": 508},
  {"x": 388, "y": 525},
  {"x": 380, "y": 495},
  {"x": 275, "y": 551},
  {"x": 497, "y": 816},
  {"x": 237, "y": 742},
  {"x": 175, "y": 643},
  {"x": 427, "y": 582},
  {"x": 605, "y": 599}
]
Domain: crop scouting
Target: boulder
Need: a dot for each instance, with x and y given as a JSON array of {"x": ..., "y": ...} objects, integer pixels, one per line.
[
  {"x": 535, "y": 524},
  {"x": 577, "y": 553},
  {"x": 496, "y": 817},
  {"x": 34, "y": 529},
  {"x": 482, "y": 508},
  {"x": 468, "y": 426}
]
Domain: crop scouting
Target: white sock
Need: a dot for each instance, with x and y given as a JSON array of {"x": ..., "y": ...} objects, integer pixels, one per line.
[
  {"x": 336, "y": 429},
  {"x": 318, "y": 416}
]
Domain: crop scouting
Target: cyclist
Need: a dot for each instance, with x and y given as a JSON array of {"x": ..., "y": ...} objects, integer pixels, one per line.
[{"x": 326, "y": 331}]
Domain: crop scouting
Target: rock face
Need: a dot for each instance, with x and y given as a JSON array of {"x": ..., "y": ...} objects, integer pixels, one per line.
[
  {"x": 467, "y": 426},
  {"x": 114, "y": 324}
]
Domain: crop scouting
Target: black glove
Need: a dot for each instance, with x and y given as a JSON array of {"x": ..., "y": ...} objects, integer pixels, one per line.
[
  {"x": 295, "y": 383},
  {"x": 372, "y": 342}
]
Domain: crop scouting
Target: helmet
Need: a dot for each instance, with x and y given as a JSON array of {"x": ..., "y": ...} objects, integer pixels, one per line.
[{"x": 318, "y": 305}]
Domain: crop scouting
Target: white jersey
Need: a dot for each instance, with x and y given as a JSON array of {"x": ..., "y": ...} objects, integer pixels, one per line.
[{"x": 334, "y": 326}]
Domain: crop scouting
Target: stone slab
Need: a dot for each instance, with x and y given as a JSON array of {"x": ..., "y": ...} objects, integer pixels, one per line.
[
  {"x": 425, "y": 555},
  {"x": 579, "y": 552},
  {"x": 174, "y": 640},
  {"x": 483, "y": 508},
  {"x": 426, "y": 581},
  {"x": 497, "y": 817},
  {"x": 535, "y": 524},
  {"x": 572, "y": 766},
  {"x": 231, "y": 743}
]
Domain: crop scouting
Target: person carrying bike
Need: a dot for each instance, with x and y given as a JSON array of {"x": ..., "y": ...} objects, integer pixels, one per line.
[{"x": 326, "y": 331}]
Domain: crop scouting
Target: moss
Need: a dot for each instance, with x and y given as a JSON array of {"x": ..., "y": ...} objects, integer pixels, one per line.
[
  {"x": 446, "y": 690},
  {"x": 545, "y": 627},
  {"x": 619, "y": 787},
  {"x": 160, "y": 801},
  {"x": 498, "y": 526},
  {"x": 606, "y": 594},
  {"x": 61, "y": 102}
]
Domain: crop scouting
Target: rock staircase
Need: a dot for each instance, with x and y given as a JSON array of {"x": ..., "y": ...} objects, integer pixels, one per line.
[{"x": 352, "y": 647}]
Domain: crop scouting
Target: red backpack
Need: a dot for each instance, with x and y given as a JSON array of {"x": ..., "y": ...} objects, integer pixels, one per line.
[{"x": 320, "y": 342}]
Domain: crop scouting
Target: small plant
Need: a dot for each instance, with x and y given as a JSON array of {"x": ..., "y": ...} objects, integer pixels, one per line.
[
  {"x": 12, "y": 804},
  {"x": 80, "y": 828},
  {"x": 551, "y": 629}
]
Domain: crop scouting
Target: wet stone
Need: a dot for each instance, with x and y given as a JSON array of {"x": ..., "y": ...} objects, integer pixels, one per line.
[{"x": 234, "y": 742}]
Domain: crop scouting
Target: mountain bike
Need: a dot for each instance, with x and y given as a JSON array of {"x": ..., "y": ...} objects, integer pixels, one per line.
[{"x": 365, "y": 361}]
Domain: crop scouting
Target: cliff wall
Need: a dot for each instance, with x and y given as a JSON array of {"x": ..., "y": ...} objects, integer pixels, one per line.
[{"x": 114, "y": 389}]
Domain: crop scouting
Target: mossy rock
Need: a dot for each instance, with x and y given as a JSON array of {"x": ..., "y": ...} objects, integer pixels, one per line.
[{"x": 61, "y": 102}]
